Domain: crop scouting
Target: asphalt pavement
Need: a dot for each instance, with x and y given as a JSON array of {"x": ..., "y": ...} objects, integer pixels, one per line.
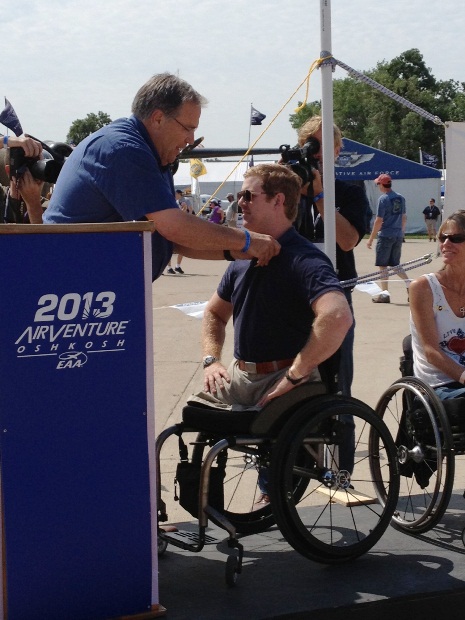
[{"x": 399, "y": 577}]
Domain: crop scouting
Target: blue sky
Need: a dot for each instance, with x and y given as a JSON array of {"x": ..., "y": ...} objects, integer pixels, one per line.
[{"x": 62, "y": 59}]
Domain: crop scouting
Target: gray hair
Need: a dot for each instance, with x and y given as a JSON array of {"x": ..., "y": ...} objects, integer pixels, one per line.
[{"x": 165, "y": 92}]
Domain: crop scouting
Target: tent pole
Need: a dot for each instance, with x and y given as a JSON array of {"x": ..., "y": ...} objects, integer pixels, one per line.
[{"x": 328, "y": 131}]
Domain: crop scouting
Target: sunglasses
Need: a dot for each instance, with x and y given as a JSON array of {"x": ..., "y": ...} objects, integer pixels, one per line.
[
  {"x": 247, "y": 195},
  {"x": 452, "y": 238}
]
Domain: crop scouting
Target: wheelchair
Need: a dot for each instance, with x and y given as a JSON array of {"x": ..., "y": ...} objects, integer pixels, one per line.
[
  {"x": 429, "y": 434},
  {"x": 325, "y": 513}
]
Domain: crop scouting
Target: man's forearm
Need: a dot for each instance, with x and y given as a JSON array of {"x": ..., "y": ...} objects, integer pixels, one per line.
[{"x": 213, "y": 334}]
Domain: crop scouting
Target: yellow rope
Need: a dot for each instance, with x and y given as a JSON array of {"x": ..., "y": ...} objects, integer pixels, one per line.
[{"x": 314, "y": 65}]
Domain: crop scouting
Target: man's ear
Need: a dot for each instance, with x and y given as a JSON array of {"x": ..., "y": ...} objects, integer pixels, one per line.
[{"x": 156, "y": 118}]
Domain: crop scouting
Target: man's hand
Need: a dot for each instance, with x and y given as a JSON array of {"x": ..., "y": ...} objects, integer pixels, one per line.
[
  {"x": 29, "y": 187},
  {"x": 215, "y": 374},
  {"x": 262, "y": 247},
  {"x": 369, "y": 243},
  {"x": 31, "y": 147},
  {"x": 279, "y": 388}
]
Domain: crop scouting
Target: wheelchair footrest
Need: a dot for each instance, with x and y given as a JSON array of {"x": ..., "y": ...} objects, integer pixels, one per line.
[
  {"x": 190, "y": 538},
  {"x": 348, "y": 497}
]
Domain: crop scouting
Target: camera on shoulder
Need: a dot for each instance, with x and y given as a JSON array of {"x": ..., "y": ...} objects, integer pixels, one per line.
[
  {"x": 301, "y": 160},
  {"x": 46, "y": 167}
]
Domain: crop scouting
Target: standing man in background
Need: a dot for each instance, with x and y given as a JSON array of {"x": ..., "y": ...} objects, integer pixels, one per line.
[
  {"x": 232, "y": 211},
  {"x": 431, "y": 214},
  {"x": 389, "y": 227}
]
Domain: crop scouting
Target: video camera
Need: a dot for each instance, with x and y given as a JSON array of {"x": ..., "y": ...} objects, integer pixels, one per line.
[
  {"x": 46, "y": 167},
  {"x": 301, "y": 160}
]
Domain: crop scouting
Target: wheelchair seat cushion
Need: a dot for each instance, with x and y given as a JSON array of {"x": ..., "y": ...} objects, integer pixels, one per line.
[
  {"x": 218, "y": 421},
  {"x": 252, "y": 421}
]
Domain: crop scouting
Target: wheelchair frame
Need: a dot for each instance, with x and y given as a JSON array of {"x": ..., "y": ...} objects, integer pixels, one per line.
[
  {"x": 314, "y": 503},
  {"x": 428, "y": 434}
]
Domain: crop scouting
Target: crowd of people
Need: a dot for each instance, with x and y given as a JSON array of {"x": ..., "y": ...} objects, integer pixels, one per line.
[{"x": 276, "y": 258}]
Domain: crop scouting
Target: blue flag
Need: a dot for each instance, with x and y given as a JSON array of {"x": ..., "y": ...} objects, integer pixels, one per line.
[
  {"x": 429, "y": 160},
  {"x": 256, "y": 117},
  {"x": 9, "y": 119}
]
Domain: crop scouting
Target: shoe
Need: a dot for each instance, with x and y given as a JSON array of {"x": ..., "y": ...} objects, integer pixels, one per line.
[
  {"x": 168, "y": 528},
  {"x": 262, "y": 501},
  {"x": 382, "y": 298},
  {"x": 178, "y": 270},
  {"x": 171, "y": 271}
]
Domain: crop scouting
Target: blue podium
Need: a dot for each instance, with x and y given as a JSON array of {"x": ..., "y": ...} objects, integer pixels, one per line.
[{"x": 78, "y": 504}]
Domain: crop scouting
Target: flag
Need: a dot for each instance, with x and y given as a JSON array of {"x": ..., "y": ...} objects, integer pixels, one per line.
[
  {"x": 251, "y": 164},
  {"x": 9, "y": 119},
  {"x": 256, "y": 117},
  {"x": 197, "y": 168},
  {"x": 429, "y": 160}
]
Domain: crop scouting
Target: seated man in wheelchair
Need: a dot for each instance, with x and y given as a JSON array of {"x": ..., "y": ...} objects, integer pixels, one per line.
[
  {"x": 437, "y": 303},
  {"x": 289, "y": 316}
]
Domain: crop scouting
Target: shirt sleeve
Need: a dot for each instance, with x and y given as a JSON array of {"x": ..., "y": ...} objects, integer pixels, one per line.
[{"x": 132, "y": 181}]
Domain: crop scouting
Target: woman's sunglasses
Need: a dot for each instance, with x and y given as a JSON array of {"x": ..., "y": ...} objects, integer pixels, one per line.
[{"x": 452, "y": 238}]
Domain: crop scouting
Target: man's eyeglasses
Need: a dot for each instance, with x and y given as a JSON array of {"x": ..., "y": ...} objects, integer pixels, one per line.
[
  {"x": 189, "y": 130},
  {"x": 452, "y": 238},
  {"x": 247, "y": 195}
]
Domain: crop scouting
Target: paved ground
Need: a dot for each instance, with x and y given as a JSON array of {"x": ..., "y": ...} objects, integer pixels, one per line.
[{"x": 400, "y": 576}]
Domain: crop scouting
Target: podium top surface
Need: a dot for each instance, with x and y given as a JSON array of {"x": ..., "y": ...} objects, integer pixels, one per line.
[{"x": 15, "y": 229}]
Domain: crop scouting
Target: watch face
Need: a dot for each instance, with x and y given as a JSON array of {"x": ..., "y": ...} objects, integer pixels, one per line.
[{"x": 207, "y": 361}]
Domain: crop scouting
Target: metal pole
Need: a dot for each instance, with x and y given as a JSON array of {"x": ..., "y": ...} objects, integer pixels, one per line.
[{"x": 328, "y": 131}]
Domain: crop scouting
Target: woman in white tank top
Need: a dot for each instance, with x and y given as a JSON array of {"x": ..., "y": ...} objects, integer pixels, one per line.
[{"x": 437, "y": 319}]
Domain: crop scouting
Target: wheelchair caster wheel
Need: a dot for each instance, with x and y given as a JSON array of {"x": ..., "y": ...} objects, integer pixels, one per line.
[
  {"x": 463, "y": 536},
  {"x": 161, "y": 546},
  {"x": 232, "y": 570}
]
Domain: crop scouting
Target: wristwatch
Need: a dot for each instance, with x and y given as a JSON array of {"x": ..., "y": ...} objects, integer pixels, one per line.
[{"x": 208, "y": 360}]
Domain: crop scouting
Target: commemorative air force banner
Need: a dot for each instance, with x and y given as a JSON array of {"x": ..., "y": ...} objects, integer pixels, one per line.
[{"x": 77, "y": 423}]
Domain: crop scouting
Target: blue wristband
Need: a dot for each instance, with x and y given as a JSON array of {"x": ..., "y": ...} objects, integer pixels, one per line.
[
  {"x": 319, "y": 197},
  {"x": 247, "y": 241},
  {"x": 5, "y": 142}
]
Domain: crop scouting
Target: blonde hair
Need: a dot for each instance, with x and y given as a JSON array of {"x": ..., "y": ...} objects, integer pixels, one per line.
[{"x": 311, "y": 126}]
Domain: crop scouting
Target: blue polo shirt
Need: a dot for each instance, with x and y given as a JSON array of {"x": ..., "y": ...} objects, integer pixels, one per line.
[
  {"x": 272, "y": 305},
  {"x": 115, "y": 175}
]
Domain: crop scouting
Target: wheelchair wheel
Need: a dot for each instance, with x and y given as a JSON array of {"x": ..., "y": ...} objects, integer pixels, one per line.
[
  {"x": 241, "y": 491},
  {"x": 421, "y": 431},
  {"x": 340, "y": 515}
]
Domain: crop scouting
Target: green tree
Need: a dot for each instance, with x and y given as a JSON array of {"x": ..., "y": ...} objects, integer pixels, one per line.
[
  {"x": 83, "y": 127},
  {"x": 366, "y": 115}
]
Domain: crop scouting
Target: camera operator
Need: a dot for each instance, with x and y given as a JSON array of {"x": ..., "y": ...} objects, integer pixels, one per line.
[
  {"x": 351, "y": 207},
  {"x": 22, "y": 202}
]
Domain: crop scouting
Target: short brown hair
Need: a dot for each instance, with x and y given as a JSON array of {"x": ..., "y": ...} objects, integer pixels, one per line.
[{"x": 277, "y": 178}]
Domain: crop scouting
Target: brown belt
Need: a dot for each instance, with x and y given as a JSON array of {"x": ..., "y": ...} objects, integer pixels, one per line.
[{"x": 263, "y": 368}]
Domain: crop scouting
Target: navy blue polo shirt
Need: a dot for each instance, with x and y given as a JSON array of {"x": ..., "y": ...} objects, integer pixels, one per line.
[
  {"x": 272, "y": 305},
  {"x": 115, "y": 175}
]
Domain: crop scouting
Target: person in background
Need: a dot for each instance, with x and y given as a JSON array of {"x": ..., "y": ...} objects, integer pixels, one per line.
[
  {"x": 217, "y": 213},
  {"x": 432, "y": 214},
  {"x": 232, "y": 212},
  {"x": 389, "y": 228}
]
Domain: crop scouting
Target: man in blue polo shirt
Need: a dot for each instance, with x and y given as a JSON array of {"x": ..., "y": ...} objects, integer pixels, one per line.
[
  {"x": 288, "y": 317},
  {"x": 122, "y": 173}
]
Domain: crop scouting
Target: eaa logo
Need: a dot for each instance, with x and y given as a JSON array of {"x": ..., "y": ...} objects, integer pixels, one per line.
[{"x": 71, "y": 359}]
